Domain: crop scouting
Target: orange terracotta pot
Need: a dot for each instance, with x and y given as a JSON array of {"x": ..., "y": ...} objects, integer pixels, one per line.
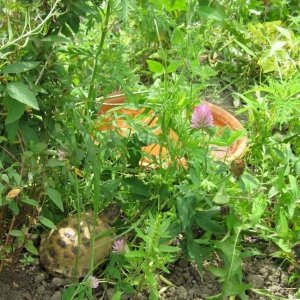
[{"x": 222, "y": 118}]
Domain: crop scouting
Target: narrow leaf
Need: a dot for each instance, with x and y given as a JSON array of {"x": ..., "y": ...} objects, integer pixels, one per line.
[
  {"x": 277, "y": 46},
  {"x": 186, "y": 209},
  {"x": 246, "y": 49},
  {"x": 30, "y": 202},
  {"x": 258, "y": 208},
  {"x": 286, "y": 33},
  {"x": 294, "y": 187},
  {"x": 48, "y": 223},
  {"x": 55, "y": 197}
]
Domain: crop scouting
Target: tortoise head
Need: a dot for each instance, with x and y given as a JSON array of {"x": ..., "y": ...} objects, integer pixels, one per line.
[{"x": 111, "y": 213}]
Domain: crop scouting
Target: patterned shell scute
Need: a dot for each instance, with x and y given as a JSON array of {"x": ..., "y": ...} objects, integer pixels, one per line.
[{"x": 59, "y": 248}]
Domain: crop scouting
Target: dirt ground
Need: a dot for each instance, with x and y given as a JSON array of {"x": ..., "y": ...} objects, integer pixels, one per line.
[{"x": 263, "y": 273}]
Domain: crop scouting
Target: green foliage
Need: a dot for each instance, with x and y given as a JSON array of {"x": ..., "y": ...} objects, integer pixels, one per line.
[{"x": 58, "y": 68}]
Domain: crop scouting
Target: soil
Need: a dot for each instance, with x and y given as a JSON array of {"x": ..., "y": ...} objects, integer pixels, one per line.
[{"x": 183, "y": 283}]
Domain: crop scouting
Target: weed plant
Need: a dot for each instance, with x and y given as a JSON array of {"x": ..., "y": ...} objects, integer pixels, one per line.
[{"x": 60, "y": 60}]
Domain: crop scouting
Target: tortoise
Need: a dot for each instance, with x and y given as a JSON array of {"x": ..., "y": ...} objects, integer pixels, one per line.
[{"x": 64, "y": 252}]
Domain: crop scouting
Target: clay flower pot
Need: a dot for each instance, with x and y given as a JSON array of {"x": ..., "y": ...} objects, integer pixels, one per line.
[{"x": 222, "y": 118}]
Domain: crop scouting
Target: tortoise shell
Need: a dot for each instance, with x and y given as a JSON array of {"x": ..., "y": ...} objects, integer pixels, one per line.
[{"x": 68, "y": 249}]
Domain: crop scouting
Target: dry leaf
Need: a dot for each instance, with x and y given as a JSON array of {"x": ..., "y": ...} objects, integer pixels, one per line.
[
  {"x": 78, "y": 173},
  {"x": 13, "y": 193}
]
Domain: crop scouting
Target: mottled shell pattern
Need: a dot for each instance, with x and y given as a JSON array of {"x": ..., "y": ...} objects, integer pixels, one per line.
[{"x": 64, "y": 248}]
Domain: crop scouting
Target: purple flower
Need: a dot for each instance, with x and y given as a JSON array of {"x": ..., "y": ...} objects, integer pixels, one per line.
[
  {"x": 202, "y": 117},
  {"x": 62, "y": 155},
  {"x": 93, "y": 281},
  {"x": 120, "y": 246}
]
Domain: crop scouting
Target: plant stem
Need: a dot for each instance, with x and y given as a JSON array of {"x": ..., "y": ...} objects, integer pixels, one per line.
[
  {"x": 91, "y": 104},
  {"x": 33, "y": 31}
]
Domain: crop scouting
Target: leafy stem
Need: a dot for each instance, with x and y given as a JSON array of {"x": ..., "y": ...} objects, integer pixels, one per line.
[{"x": 91, "y": 90}]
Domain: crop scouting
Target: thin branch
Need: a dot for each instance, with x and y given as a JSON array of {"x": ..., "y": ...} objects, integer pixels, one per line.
[{"x": 35, "y": 30}]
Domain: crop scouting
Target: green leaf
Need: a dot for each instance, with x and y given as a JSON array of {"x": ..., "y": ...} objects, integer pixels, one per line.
[
  {"x": 155, "y": 66},
  {"x": 249, "y": 181},
  {"x": 258, "y": 208},
  {"x": 22, "y": 93},
  {"x": 30, "y": 202},
  {"x": 233, "y": 288},
  {"x": 165, "y": 248},
  {"x": 186, "y": 209},
  {"x": 16, "y": 233},
  {"x": 173, "y": 66},
  {"x": 221, "y": 196},
  {"x": 117, "y": 296},
  {"x": 69, "y": 293},
  {"x": 48, "y": 223},
  {"x": 194, "y": 251},
  {"x": 54, "y": 162},
  {"x": 217, "y": 272},
  {"x": 128, "y": 288},
  {"x": 207, "y": 12},
  {"x": 136, "y": 253},
  {"x": 294, "y": 187},
  {"x": 133, "y": 154},
  {"x": 171, "y": 5},
  {"x": 19, "y": 67},
  {"x": 13, "y": 206},
  {"x": 55, "y": 197},
  {"x": 31, "y": 248},
  {"x": 246, "y": 49},
  {"x": 283, "y": 225},
  {"x": 286, "y": 33},
  {"x": 203, "y": 219},
  {"x": 11, "y": 130},
  {"x": 55, "y": 39},
  {"x": 29, "y": 135},
  {"x": 15, "y": 110},
  {"x": 135, "y": 186},
  {"x": 277, "y": 46}
]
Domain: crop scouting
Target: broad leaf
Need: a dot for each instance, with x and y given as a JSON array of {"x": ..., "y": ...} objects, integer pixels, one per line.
[
  {"x": 155, "y": 66},
  {"x": 11, "y": 130},
  {"x": 203, "y": 219},
  {"x": 15, "y": 110},
  {"x": 207, "y": 12},
  {"x": 221, "y": 196},
  {"x": 135, "y": 186},
  {"x": 16, "y": 233},
  {"x": 171, "y": 5},
  {"x": 194, "y": 251},
  {"x": 31, "y": 248},
  {"x": 22, "y": 93},
  {"x": 19, "y": 67},
  {"x": 13, "y": 193}
]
